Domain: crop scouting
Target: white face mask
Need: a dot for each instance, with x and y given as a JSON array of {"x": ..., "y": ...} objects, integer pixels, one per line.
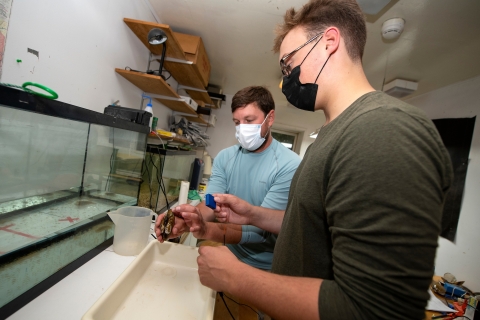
[{"x": 249, "y": 135}]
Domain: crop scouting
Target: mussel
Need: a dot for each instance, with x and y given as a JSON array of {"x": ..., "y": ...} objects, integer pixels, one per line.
[{"x": 167, "y": 224}]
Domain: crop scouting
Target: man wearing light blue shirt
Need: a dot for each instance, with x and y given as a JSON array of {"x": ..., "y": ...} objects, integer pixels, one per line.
[{"x": 258, "y": 170}]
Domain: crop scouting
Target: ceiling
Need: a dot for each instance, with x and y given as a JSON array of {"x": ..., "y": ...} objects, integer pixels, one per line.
[{"x": 439, "y": 46}]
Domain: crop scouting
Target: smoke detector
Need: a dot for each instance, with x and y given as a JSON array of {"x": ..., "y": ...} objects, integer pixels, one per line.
[
  {"x": 392, "y": 28},
  {"x": 399, "y": 88}
]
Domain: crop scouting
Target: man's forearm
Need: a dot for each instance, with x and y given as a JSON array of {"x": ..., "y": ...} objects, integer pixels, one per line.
[
  {"x": 217, "y": 231},
  {"x": 207, "y": 213},
  {"x": 267, "y": 219},
  {"x": 281, "y": 297}
]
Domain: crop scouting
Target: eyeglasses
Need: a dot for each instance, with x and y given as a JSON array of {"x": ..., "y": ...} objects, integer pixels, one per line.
[{"x": 286, "y": 69}]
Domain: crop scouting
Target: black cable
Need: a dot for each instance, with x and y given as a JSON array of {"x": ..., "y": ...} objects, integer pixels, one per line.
[
  {"x": 143, "y": 167},
  {"x": 164, "y": 189},
  {"x": 156, "y": 176},
  {"x": 221, "y": 296},
  {"x": 159, "y": 180},
  {"x": 170, "y": 75},
  {"x": 241, "y": 304}
]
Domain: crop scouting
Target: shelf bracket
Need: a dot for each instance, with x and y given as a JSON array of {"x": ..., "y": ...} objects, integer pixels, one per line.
[
  {"x": 177, "y": 113},
  {"x": 180, "y": 86},
  {"x": 158, "y": 57}
]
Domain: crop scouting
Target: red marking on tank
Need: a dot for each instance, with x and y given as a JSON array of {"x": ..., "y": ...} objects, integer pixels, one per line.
[
  {"x": 6, "y": 228},
  {"x": 69, "y": 219}
]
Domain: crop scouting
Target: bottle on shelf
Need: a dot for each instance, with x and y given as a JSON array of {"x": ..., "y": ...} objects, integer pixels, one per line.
[{"x": 149, "y": 109}]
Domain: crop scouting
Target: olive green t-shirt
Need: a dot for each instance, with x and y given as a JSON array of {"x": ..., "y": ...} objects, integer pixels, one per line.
[{"x": 364, "y": 211}]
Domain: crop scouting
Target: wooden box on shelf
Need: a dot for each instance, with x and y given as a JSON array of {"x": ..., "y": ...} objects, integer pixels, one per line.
[
  {"x": 195, "y": 52},
  {"x": 188, "y": 48}
]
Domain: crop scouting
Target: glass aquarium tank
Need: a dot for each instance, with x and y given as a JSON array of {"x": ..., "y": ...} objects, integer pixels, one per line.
[
  {"x": 62, "y": 168},
  {"x": 163, "y": 173}
]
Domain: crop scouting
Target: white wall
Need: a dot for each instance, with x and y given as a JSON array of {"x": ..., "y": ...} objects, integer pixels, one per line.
[
  {"x": 462, "y": 258},
  {"x": 223, "y": 134},
  {"x": 80, "y": 44}
]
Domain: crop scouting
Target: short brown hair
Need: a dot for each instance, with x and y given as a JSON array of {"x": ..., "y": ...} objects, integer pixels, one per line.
[
  {"x": 317, "y": 15},
  {"x": 259, "y": 95}
]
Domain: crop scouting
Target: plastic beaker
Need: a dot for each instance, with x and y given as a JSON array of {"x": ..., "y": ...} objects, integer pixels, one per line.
[{"x": 132, "y": 227}]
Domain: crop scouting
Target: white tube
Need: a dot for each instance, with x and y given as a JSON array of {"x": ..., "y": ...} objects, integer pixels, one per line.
[
  {"x": 207, "y": 169},
  {"x": 183, "y": 196}
]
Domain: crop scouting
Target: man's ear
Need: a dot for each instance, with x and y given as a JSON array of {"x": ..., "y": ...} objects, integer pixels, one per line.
[
  {"x": 332, "y": 39},
  {"x": 271, "y": 118}
]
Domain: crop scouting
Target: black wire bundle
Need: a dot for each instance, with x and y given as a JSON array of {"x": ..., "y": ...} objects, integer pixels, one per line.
[{"x": 161, "y": 184}]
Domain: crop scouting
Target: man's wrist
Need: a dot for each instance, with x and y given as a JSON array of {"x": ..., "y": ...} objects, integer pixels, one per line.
[
  {"x": 206, "y": 212},
  {"x": 207, "y": 234},
  {"x": 252, "y": 215}
]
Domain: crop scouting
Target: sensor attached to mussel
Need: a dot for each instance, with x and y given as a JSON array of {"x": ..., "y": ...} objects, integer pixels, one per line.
[{"x": 209, "y": 202}]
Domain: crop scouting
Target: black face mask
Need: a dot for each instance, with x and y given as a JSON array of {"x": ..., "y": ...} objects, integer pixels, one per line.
[{"x": 301, "y": 95}]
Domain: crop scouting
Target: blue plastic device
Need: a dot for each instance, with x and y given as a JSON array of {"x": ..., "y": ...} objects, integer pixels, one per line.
[
  {"x": 453, "y": 290},
  {"x": 209, "y": 202}
]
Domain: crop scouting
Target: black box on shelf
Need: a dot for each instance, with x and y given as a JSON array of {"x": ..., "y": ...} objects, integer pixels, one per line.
[
  {"x": 133, "y": 115},
  {"x": 204, "y": 110}
]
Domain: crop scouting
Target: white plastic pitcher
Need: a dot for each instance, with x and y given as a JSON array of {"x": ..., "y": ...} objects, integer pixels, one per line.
[{"x": 132, "y": 227}]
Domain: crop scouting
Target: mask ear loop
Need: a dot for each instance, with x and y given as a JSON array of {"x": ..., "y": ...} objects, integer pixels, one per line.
[
  {"x": 322, "y": 68},
  {"x": 268, "y": 115},
  {"x": 311, "y": 50}
]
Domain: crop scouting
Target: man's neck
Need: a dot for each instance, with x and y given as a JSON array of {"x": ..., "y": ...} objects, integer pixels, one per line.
[{"x": 345, "y": 90}]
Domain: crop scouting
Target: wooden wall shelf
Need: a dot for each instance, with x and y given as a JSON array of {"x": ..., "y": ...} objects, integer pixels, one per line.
[
  {"x": 202, "y": 96},
  {"x": 148, "y": 82},
  {"x": 198, "y": 120},
  {"x": 183, "y": 73},
  {"x": 168, "y": 138},
  {"x": 141, "y": 29},
  {"x": 155, "y": 84}
]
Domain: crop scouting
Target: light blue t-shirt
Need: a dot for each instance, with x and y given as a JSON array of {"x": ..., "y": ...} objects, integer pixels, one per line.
[{"x": 262, "y": 179}]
